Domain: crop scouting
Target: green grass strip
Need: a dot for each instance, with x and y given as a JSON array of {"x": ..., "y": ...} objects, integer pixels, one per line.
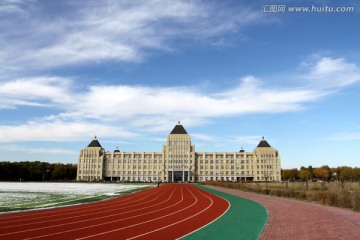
[{"x": 244, "y": 220}]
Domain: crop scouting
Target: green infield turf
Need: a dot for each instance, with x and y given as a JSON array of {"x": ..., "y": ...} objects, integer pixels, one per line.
[{"x": 244, "y": 220}]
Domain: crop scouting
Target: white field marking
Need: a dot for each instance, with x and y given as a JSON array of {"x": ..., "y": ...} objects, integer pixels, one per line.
[
  {"x": 72, "y": 230},
  {"x": 67, "y": 211},
  {"x": 66, "y": 208},
  {"x": 70, "y": 223},
  {"x": 49, "y": 205},
  {"x": 211, "y": 221},
  {"x": 266, "y": 222},
  {"x": 69, "y": 200},
  {"x": 118, "y": 229},
  {"x": 111, "y": 210},
  {"x": 211, "y": 203}
]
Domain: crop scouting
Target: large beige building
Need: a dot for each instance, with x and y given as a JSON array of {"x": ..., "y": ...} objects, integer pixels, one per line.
[{"x": 178, "y": 161}]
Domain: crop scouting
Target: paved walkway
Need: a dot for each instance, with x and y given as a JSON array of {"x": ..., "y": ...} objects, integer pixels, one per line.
[{"x": 292, "y": 219}]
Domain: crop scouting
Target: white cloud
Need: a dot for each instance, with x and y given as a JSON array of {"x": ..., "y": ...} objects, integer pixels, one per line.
[
  {"x": 56, "y": 151},
  {"x": 8, "y": 7},
  {"x": 254, "y": 140},
  {"x": 127, "y": 102},
  {"x": 36, "y": 91},
  {"x": 60, "y": 131},
  {"x": 148, "y": 109},
  {"x": 152, "y": 109},
  {"x": 93, "y": 31},
  {"x": 159, "y": 139},
  {"x": 346, "y": 136},
  {"x": 203, "y": 137},
  {"x": 330, "y": 73}
]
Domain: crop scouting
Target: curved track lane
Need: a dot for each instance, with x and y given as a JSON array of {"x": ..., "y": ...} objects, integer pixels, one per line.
[{"x": 166, "y": 212}]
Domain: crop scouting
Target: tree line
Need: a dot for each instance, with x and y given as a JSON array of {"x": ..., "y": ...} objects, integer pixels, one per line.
[
  {"x": 323, "y": 173},
  {"x": 37, "y": 171}
]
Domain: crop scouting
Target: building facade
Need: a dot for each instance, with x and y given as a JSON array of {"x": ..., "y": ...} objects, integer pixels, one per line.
[{"x": 178, "y": 162}]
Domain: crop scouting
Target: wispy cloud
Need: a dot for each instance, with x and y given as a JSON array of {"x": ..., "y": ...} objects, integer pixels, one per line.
[
  {"x": 345, "y": 136},
  {"x": 253, "y": 140},
  {"x": 60, "y": 131},
  {"x": 34, "y": 91},
  {"x": 10, "y": 7},
  {"x": 203, "y": 137},
  {"x": 17, "y": 148},
  {"x": 329, "y": 73},
  {"x": 95, "y": 32}
]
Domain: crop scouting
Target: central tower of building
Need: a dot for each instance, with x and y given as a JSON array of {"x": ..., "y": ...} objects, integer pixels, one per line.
[{"x": 179, "y": 156}]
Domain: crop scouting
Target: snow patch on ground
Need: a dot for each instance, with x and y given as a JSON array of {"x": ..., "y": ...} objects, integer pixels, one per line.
[{"x": 27, "y": 195}]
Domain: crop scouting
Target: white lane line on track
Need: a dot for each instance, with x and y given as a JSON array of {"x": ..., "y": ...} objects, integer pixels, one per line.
[
  {"x": 66, "y": 208},
  {"x": 111, "y": 210},
  {"x": 105, "y": 223},
  {"x": 229, "y": 204},
  {"x": 111, "y": 205},
  {"x": 157, "y": 219},
  {"x": 156, "y": 230},
  {"x": 87, "y": 220},
  {"x": 151, "y": 220}
]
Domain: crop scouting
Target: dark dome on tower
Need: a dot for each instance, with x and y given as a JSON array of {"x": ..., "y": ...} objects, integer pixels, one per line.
[
  {"x": 263, "y": 143},
  {"x": 179, "y": 129},
  {"x": 94, "y": 143}
]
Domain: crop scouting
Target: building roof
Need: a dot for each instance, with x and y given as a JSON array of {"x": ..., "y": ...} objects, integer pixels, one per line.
[
  {"x": 263, "y": 143},
  {"x": 117, "y": 150},
  {"x": 178, "y": 129},
  {"x": 94, "y": 143}
]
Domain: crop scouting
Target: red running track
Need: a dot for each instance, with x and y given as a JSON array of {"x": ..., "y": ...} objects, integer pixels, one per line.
[{"x": 166, "y": 212}]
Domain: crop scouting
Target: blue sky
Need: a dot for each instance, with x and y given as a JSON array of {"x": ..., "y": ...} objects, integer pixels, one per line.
[{"x": 127, "y": 71}]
